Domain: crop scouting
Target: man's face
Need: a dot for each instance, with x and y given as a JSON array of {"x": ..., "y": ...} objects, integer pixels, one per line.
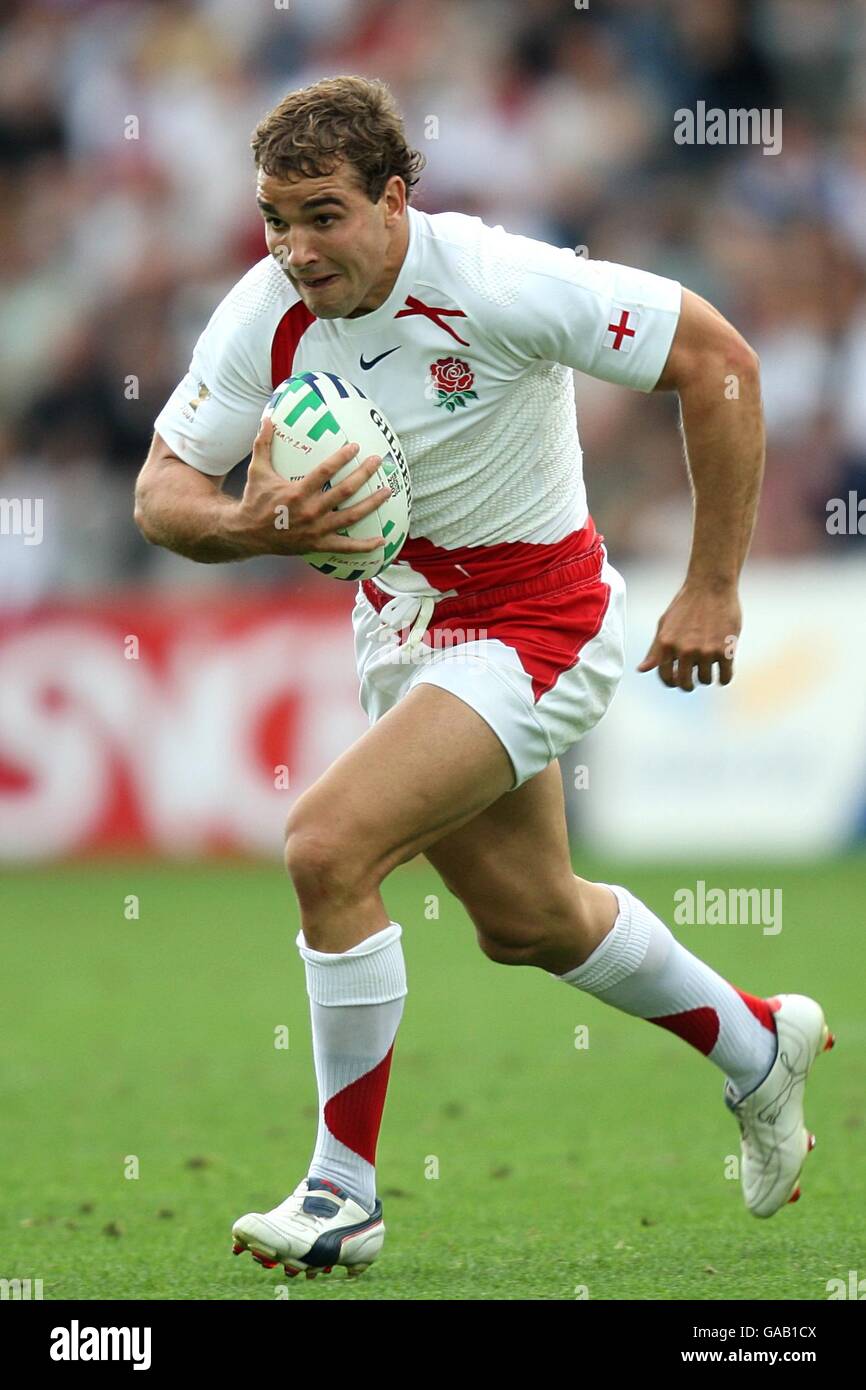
[{"x": 341, "y": 251}]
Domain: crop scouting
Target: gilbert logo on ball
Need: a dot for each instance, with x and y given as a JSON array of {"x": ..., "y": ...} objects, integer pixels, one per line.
[{"x": 314, "y": 414}]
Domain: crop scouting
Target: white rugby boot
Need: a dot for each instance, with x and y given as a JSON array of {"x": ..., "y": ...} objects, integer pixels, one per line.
[
  {"x": 317, "y": 1227},
  {"x": 774, "y": 1137}
]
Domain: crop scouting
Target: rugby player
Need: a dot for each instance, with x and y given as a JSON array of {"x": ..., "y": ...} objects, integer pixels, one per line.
[{"x": 503, "y": 595}]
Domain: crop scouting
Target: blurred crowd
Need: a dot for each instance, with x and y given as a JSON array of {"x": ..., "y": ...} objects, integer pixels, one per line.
[{"x": 126, "y": 204}]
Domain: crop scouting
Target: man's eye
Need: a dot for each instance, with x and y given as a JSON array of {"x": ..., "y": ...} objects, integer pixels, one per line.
[{"x": 323, "y": 217}]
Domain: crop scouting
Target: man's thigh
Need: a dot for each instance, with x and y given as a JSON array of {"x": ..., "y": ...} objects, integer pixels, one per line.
[
  {"x": 511, "y": 866},
  {"x": 429, "y": 765}
]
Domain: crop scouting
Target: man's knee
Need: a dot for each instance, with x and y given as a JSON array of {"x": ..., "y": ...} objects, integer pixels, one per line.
[
  {"x": 507, "y": 939},
  {"x": 323, "y": 862},
  {"x": 527, "y": 930},
  {"x": 517, "y": 948}
]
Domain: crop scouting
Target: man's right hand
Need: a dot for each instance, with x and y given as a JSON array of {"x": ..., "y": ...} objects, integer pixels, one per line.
[{"x": 276, "y": 517}]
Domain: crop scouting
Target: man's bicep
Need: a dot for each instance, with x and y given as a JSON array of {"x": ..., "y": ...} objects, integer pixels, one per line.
[{"x": 702, "y": 332}]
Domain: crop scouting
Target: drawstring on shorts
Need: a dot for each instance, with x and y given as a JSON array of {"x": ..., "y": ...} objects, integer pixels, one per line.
[{"x": 406, "y": 609}]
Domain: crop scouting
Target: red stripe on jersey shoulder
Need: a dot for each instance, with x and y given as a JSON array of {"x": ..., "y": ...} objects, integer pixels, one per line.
[{"x": 290, "y": 329}]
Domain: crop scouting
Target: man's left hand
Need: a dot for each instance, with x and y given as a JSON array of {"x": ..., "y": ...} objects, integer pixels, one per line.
[{"x": 699, "y": 629}]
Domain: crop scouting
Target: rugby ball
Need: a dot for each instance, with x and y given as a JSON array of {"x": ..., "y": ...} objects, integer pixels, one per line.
[{"x": 314, "y": 414}]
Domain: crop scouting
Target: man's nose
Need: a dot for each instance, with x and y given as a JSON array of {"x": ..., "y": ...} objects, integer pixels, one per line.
[{"x": 299, "y": 250}]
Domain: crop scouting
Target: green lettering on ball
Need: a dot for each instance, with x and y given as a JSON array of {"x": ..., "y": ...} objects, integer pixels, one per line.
[
  {"x": 324, "y": 422},
  {"x": 311, "y": 401},
  {"x": 393, "y": 546}
]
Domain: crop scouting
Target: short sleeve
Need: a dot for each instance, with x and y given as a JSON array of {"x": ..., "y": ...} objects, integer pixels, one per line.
[
  {"x": 212, "y": 417},
  {"x": 610, "y": 321}
]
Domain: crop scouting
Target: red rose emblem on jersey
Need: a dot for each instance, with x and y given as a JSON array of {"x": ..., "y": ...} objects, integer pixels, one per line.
[{"x": 452, "y": 381}]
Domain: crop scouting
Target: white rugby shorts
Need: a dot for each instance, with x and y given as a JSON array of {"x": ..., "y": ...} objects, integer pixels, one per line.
[{"x": 539, "y": 660}]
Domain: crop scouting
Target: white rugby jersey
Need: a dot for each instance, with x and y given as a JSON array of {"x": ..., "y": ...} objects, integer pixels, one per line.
[{"x": 470, "y": 357}]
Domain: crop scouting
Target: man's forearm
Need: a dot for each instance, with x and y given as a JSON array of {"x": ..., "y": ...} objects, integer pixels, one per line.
[
  {"x": 724, "y": 440},
  {"x": 201, "y": 527}
]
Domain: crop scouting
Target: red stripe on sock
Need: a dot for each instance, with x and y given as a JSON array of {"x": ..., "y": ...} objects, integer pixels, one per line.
[
  {"x": 763, "y": 1009},
  {"x": 354, "y": 1115},
  {"x": 700, "y": 1027}
]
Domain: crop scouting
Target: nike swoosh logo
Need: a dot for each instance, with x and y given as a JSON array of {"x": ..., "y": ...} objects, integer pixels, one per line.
[{"x": 365, "y": 366}]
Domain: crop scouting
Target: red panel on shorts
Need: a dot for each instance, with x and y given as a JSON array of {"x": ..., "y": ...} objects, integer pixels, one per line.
[
  {"x": 548, "y": 631},
  {"x": 471, "y": 568},
  {"x": 545, "y": 601}
]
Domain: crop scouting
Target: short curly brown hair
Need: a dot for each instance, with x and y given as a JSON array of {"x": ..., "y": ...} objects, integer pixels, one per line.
[{"x": 351, "y": 118}]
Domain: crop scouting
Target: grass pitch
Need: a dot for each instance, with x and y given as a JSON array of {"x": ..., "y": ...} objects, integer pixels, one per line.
[{"x": 146, "y": 1106}]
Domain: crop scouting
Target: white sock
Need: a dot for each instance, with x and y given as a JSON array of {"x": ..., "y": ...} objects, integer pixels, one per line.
[
  {"x": 356, "y": 1003},
  {"x": 642, "y": 969}
]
